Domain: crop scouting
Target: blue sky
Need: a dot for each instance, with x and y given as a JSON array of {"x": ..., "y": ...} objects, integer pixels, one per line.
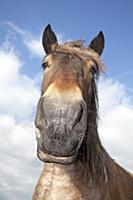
[{"x": 21, "y": 26}]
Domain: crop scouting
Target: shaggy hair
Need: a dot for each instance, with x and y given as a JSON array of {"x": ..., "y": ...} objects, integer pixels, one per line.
[{"x": 78, "y": 48}]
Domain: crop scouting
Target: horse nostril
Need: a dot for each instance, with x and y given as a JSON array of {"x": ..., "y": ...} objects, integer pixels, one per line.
[{"x": 79, "y": 116}]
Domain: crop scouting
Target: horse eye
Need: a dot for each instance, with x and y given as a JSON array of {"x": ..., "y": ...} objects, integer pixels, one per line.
[
  {"x": 93, "y": 70},
  {"x": 45, "y": 65}
]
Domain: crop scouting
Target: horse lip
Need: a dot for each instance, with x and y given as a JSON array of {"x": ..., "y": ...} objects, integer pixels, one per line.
[{"x": 54, "y": 159}]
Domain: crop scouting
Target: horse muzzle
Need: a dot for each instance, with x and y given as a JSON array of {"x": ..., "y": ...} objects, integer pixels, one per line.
[{"x": 61, "y": 129}]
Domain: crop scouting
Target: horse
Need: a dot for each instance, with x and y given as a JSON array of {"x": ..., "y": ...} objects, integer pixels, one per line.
[{"x": 77, "y": 167}]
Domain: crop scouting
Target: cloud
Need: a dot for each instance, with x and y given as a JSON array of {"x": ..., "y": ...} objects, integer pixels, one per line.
[
  {"x": 30, "y": 41},
  {"x": 19, "y": 169},
  {"x": 18, "y": 91},
  {"x": 116, "y": 127},
  {"x": 19, "y": 95},
  {"x": 33, "y": 43}
]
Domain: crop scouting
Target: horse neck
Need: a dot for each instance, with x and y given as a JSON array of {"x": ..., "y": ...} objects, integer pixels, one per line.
[
  {"x": 59, "y": 181},
  {"x": 60, "y": 170}
]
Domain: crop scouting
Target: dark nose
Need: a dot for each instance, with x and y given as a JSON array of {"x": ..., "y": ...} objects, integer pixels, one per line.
[{"x": 61, "y": 125}]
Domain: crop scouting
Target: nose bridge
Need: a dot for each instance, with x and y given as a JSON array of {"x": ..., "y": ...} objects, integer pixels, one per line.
[
  {"x": 63, "y": 93},
  {"x": 63, "y": 106},
  {"x": 58, "y": 102}
]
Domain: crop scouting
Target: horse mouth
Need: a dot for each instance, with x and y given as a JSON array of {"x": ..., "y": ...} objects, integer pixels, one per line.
[{"x": 55, "y": 159}]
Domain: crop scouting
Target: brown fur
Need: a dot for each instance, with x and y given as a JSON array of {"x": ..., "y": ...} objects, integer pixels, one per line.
[{"x": 94, "y": 175}]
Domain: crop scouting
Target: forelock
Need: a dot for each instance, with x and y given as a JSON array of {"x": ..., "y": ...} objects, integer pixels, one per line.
[{"x": 77, "y": 48}]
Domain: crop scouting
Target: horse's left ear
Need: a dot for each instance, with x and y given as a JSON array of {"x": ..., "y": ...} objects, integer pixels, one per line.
[
  {"x": 97, "y": 44},
  {"x": 49, "y": 40}
]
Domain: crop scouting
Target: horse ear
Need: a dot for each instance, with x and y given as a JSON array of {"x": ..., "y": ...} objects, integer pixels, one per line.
[
  {"x": 97, "y": 44},
  {"x": 49, "y": 40}
]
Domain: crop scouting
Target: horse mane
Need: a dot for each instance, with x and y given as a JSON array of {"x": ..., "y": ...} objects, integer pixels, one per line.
[
  {"x": 75, "y": 43},
  {"x": 92, "y": 154}
]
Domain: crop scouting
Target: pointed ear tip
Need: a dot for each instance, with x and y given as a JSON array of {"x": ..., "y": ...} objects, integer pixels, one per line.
[
  {"x": 48, "y": 27},
  {"x": 101, "y": 34}
]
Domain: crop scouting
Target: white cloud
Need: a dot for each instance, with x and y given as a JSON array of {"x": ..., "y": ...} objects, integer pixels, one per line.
[
  {"x": 18, "y": 91},
  {"x": 34, "y": 44},
  {"x": 19, "y": 95},
  {"x": 31, "y": 42},
  {"x": 10, "y": 65},
  {"x": 19, "y": 168},
  {"x": 116, "y": 116}
]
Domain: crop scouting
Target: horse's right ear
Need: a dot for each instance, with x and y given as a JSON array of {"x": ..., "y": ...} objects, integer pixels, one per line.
[{"x": 49, "y": 40}]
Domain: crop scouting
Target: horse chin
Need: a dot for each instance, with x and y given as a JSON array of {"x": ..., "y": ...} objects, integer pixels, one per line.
[{"x": 54, "y": 159}]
